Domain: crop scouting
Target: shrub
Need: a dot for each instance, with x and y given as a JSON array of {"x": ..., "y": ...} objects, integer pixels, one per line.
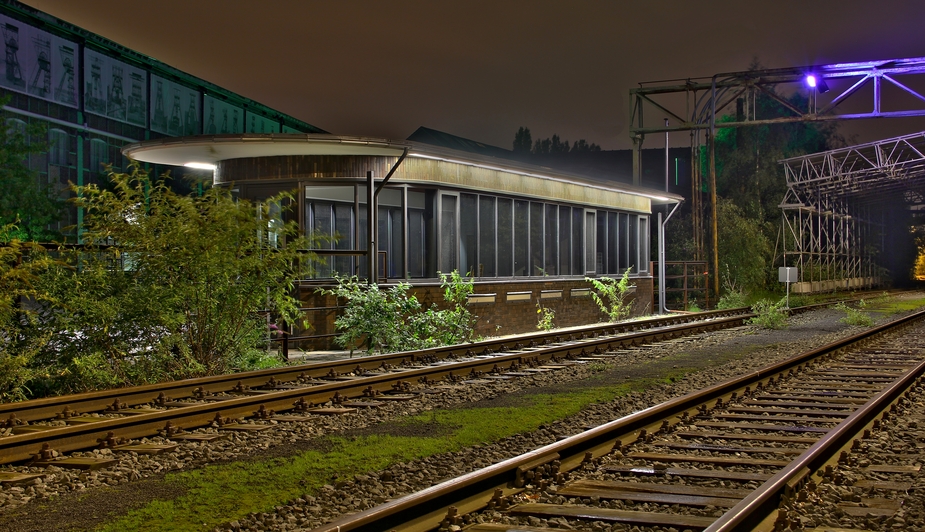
[
  {"x": 392, "y": 320},
  {"x": 770, "y": 315},
  {"x": 611, "y": 295},
  {"x": 855, "y": 316},
  {"x": 167, "y": 286},
  {"x": 546, "y": 317}
]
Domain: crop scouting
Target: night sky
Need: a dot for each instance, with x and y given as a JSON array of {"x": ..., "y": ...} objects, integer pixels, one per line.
[{"x": 481, "y": 69}]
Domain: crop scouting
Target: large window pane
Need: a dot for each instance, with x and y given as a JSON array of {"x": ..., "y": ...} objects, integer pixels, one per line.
[
  {"x": 565, "y": 232},
  {"x": 552, "y": 241},
  {"x": 448, "y": 235},
  {"x": 505, "y": 237},
  {"x": 487, "y": 237},
  {"x": 343, "y": 227},
  {"x": 537, "y": 254},
  {"x": 600, "y": 260},
  {"x": 624, "y": 260},
  {"x": 633, "y": 248},
  {"x": 468, "y": 235},
  {"x": 590, "y": 264},
  {"x": 578, "y": 242},
  {"x": 643, "y": 244},
  {"x": 521, "y": 237},
  {"x": 615, "y": 260},
  {"x": 417, "y": 235}
]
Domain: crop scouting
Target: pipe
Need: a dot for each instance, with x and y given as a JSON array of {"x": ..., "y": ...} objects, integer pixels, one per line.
[{"x": 662, "y": 307}]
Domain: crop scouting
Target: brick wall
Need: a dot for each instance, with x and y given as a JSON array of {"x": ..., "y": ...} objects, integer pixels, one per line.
[{"x": 511, "y": 310}]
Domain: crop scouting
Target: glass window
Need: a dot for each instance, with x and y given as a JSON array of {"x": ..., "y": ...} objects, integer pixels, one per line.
[
  {"x": 505, "y": 237},
  {"x": 601, "y": 251},
  {"x": 552, "y": 244},
  {"x": 448, "y": 235},
  {"x": 58, "y": 147},
  {"x": 624, "y": 259},
  {"x": 521, "y": 237},
  {"x": 578, "y": 267},
  {"x": 633, "y": 247},
  {"x": 344, "y": 231},
  {"x": 537, "y": 255},
  {"x": 487, "y": 237},
  {"x": 615, "y": 257},
  {"x": 565, "y": 232},
  {"x": 98, "y": 155},
  {"x": 417, "y": 234},
  {"x": 643, "y": 244},
  {"x": 590, "y": 264},
  {"x": 468, "y": 235}
]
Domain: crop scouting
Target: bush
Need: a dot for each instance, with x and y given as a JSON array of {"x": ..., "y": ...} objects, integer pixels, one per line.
[
  {"x": 610, "y": 296},
  {"x": 391, "y": 320},
  {"x": 770, "y": 315},
  {"x": 855, "y": 316},
  {"x": 167, "y": 286},
  {"x": 545, "y": 322}
]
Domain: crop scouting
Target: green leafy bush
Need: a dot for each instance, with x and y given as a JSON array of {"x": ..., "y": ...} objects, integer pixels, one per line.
[
  {"x": 770, "y": 315},
  {"x": 392, "y": 320},
  {"x": 855, "y": 316},
  {"x": 167, "y": 286},
  {"x": 546, "y": 319},
  {"x": 611, "y": 295}
]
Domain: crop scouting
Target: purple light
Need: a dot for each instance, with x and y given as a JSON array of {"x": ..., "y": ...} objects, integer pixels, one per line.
[{"x": 811, "y": 80}]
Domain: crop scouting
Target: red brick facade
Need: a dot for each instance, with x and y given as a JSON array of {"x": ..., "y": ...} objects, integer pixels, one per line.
[{"x": 511, "y": 310}]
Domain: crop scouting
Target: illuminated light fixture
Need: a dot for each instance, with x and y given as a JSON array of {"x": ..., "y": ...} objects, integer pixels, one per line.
[
  {"x": 817, "y": 83},
  {"x": 201, "y": 166}
]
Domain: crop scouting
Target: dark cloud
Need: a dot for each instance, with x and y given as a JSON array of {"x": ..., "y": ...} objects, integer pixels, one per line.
[{"x": 481, "y": 69}]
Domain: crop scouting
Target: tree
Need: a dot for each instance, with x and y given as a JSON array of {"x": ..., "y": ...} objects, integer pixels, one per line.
[
  {"x": 169, "y": 286},
  {"x": 523, "y": 141},
  {"x": 26, "y": 207}
]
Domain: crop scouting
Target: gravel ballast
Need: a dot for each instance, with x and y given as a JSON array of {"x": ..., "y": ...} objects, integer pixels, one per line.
[{"x": 73, "y": 500}]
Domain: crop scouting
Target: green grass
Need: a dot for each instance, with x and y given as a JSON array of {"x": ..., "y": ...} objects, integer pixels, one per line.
[
  {"x": 223, "y": 493},
  {"x": 894, "y": 306}
]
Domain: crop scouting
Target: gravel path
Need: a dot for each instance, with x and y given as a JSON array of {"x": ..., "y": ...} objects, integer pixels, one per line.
[{"x": 69, "y": 500}]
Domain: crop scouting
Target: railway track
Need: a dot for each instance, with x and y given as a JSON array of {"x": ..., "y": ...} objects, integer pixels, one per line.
[
  {"x": 721, "y": 459},
  {"x": 36, "y": 430}
]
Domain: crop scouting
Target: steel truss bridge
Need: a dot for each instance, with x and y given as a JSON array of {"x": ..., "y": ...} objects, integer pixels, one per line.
[
  {"x": 843, "y": 91},
  {"x": 835, "y": 206}
]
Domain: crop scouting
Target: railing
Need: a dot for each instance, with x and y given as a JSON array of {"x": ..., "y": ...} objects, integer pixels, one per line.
[{"x": 686, "y": 282}]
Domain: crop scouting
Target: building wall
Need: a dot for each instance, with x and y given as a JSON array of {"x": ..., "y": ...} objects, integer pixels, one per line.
[{"x": 512, "y": 310}]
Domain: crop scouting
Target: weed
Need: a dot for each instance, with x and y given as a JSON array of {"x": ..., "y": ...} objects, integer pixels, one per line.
[
  {"x": 855, "y": 316},
  {"x": 770, "y": 315},
  {"x": 611, "y": 295},
  {"x": 545, "y": 321}
]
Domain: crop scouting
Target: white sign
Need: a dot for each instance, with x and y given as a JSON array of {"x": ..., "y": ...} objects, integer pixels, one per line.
[{"x": 788, "y": 275}]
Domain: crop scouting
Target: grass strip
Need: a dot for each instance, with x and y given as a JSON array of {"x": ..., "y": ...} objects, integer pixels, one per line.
[{"x": 223, "y": 493}]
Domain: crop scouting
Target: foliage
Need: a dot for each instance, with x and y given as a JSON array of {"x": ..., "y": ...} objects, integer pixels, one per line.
[
  {"x": 20, "y": 266},
  {"x": 168, "y": 286},
  {"x": 694, "y": 307},
  {"x": 855, "y": 316},
  {"x": 770, "y": 315},
  {"x": 733, "y": 296},
  {"x": 743, "y": 246},
  {"x": 26, "y": 206},
  {"x": 545, "y": 322},
  {"x": 393, "y": 320},
  {"x": 550, "y": 145},
  {"x": 611, "y": 295}
]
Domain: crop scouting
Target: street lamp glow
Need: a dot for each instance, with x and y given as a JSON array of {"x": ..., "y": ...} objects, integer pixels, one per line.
[
  {"x": 201, "y": 166},
  {"x": 811, "y": 80}
]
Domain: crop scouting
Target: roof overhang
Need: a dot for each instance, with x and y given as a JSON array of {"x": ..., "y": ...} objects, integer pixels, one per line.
[{"x": 210, "y": 149}]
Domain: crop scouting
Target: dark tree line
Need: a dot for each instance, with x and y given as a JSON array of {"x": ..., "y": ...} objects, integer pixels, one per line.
[{"x": 524, "y": 144}]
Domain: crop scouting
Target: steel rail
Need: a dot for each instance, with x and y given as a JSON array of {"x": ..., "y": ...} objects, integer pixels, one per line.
[
  {"x": 416, "y": 511},
  {"x": 756, "y": 507},
  {"x": 50, "y": 407},
  {"x": 22, "y": 447}
]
